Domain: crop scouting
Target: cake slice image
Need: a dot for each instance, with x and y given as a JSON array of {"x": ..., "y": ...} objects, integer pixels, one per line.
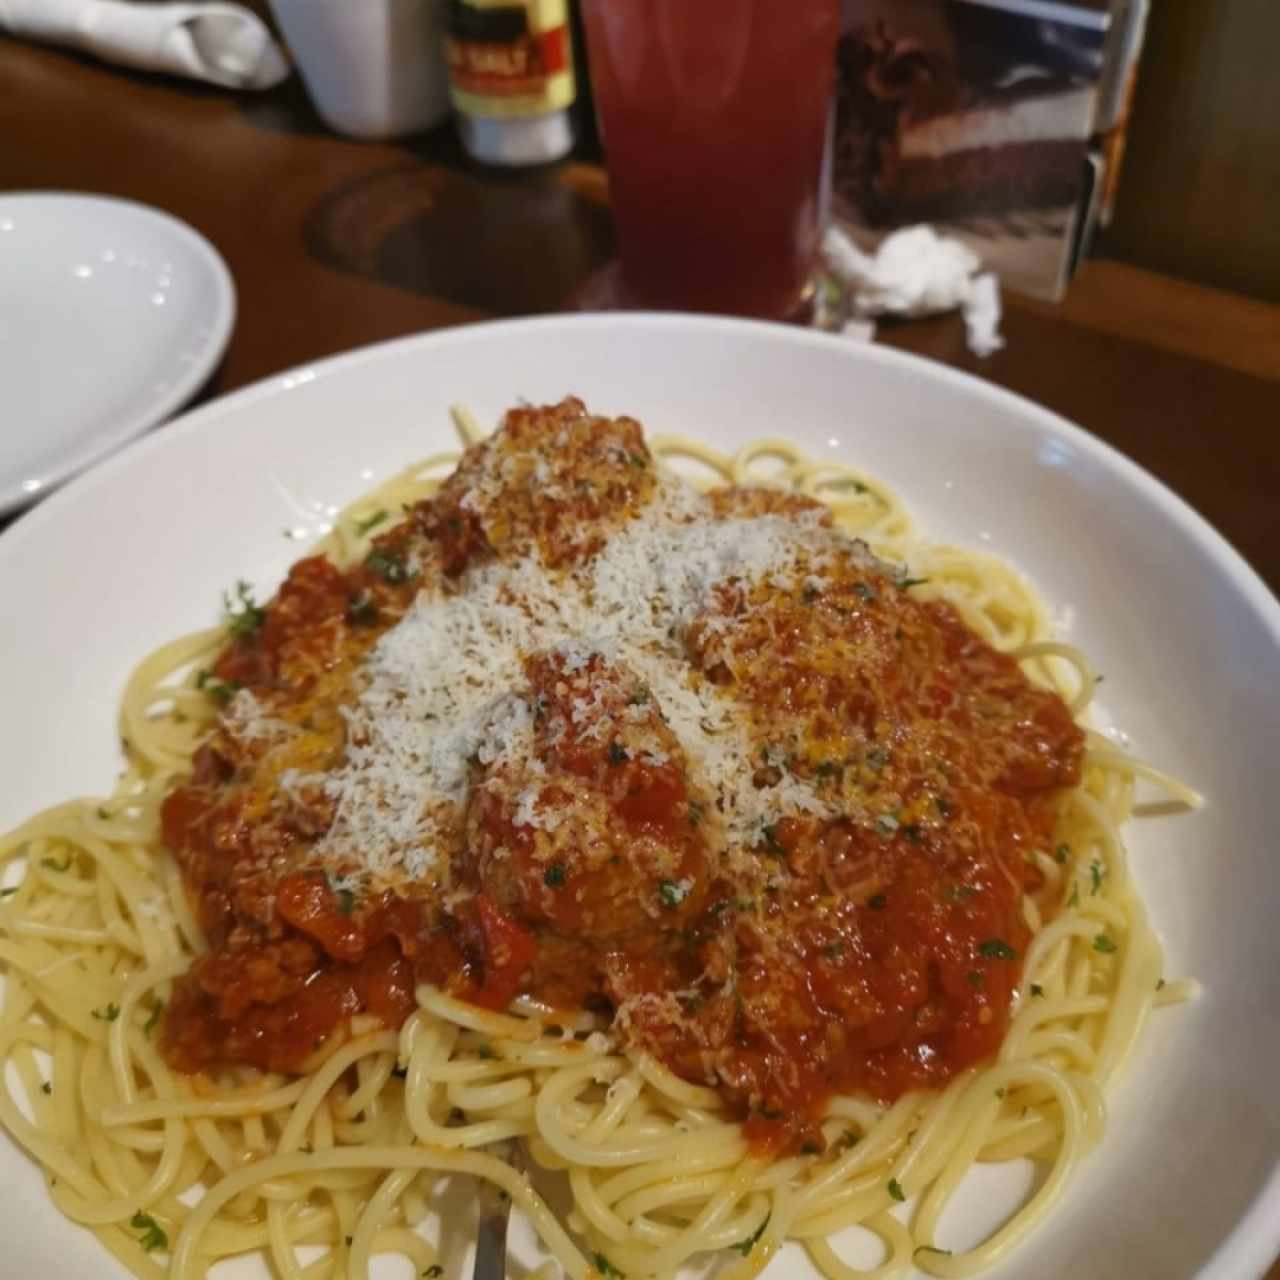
[{"x": 948, "y": 110}]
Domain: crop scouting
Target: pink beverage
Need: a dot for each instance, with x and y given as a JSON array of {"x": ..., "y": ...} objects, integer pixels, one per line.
[{"x": 714, "y": 115}]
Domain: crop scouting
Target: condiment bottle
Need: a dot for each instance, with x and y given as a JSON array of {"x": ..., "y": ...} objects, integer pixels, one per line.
[{"x": 511, "y": 79}]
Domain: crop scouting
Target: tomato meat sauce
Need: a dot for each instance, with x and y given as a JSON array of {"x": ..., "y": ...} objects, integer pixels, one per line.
[{"x": 873, "y": 942}]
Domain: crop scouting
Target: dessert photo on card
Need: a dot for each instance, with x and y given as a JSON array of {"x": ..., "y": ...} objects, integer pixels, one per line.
[{"x": 975, "y": 115}]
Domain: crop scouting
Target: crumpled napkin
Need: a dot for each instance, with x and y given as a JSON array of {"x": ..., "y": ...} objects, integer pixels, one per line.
[
  {"x": 221, "y": 43},
  {"x": 916, "y": 272}
]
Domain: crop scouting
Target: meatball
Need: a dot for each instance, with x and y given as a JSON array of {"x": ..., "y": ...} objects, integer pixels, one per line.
[{"x": 594, "y": 833}]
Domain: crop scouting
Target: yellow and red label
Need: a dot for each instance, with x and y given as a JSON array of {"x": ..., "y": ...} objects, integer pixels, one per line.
[{"x": 510, "y": 57}]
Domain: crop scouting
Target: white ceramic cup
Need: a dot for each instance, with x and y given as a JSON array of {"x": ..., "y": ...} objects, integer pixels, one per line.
[{"x": 373, "y": 68}]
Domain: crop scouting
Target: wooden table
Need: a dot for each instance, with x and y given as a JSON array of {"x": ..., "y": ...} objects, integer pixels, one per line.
[{"x": 334, "y": 244}]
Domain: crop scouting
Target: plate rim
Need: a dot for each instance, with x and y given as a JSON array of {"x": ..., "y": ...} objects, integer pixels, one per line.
[
  {"x": 1254, "y": 1239},
  {"x": 73, "y": 462}
]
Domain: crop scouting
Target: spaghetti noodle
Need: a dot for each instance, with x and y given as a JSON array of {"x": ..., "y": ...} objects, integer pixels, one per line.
[{"x": 324, "y": 1164}]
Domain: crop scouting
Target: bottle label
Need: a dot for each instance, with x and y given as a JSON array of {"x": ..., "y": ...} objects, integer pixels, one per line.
[{"x": 510, "y": 57}]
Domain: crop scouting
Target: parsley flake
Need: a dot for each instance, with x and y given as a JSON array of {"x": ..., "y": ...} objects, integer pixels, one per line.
[
  {"x": 244, "y": 614},
  {"x": 1062, "y": 853},
  {"x": 157, "y": 1009},
  {"x": 1074, "y": 900},
  {"x": 929, "y": 1248},
  {"x": 346, "y": 901},
  {"x": 9, "y": 890},
  {"x": 109, "y": 1014},
  {"x": 907, "y": 583},
  {"x": 370, "y": 522},
  {"x": 895, "y": 1189},
  {"x": 153, "y": 1236},
  {"x": 554, "y": 875},
  {"x": 47, "y": 1087},
  {"x": 1096, "y": 871},
  {"x": 617, "y": 753},
  {"x": 388, "y": 566},
  {"x": 887, "y": 824},
  {"x": 606, "y": 1268},
  {"x": 1037, "y": 989},
  {"x": 744, "y": 1247},
  {"x": 1104, "y": 944},
  {"x": 771, "y": 841},
  {"x": 996, "y": 949},
  {"x": 673, "y": 892},
  {"x": 434, "y": 1270}
]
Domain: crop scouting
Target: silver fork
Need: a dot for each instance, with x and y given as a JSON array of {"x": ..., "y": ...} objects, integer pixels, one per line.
[{"x": 495, "y": 1212}]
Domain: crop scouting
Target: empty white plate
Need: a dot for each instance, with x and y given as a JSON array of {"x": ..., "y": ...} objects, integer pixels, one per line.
[{"x": 111, "y": 315}]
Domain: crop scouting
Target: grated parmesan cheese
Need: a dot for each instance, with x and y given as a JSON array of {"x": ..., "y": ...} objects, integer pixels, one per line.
[{"x": 445, "y": 686}]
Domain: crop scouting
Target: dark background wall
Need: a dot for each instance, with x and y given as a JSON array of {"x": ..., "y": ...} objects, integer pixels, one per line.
[{"x": 1200, "y": 190}]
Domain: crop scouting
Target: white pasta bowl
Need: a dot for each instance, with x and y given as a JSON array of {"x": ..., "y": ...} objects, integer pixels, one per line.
[{"x": 1187, "y": 1180}]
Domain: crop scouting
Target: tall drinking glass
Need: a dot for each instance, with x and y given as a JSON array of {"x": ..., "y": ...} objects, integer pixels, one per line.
[{"x": 714, "y": 117}]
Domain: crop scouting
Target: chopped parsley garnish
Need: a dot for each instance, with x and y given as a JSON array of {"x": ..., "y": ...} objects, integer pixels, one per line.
[
  {"x": 346, "y": 901},
  {"x": 109, "y": 1014},
  {"x": 828, "y": 769},
  {"x": 47, "y": 1087},
  {"x": 996, "y": 949},
  {"x": 221, "y": 691},
  {"x": 771, "y": 841},
  {"x": 153, "y": 1236},
  {"x": 877, "y": 901},
  {"x": 639, "y": 696},
  {"x": 1104, "y": 944},
  {"x": 1062, "y": 853},
  {"x": 617, "y": 753},
  {"x": 434, "y": 1270},
  {"x": 1096, "y": 872},
  {"x": 64, "y": 865},
  {"x": 1074, "y": 900},
  {"x": 907, "y": 583},
  {"x": 1000, "y": 1092},
  {"x": 673, "y": 892},
  {"x": 104, "y": 813},
  {"x": 554, "y": 875},
  {"x": 895, "y": 1189},
  {"x": 744, "y": 1247},
  {"x": 244, "y": 614},
  {"x": 1160, "y": 985},
  {"x": 362, "y": 612},
  {"x": 390, "y": 567},
  {"x": 485, "y": 1051},
  {"x": 606, "y": 1268},
  {"x": 9, "y": 890},
  {"x": 695, "y": 813},
  {"x": 157, "y": 1008},
  {"x": 1037, "y": 989},
  {"x": 370, "y": 522},
  {"x": 929, "y": 1248}
]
